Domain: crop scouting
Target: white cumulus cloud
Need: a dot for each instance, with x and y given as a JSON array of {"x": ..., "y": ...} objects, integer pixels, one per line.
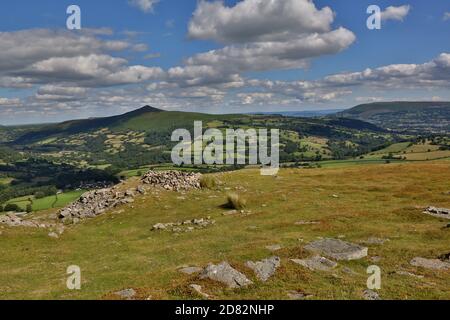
[
  {"x": 144, "y": 5},
  {"x": 395, "y": 13}
]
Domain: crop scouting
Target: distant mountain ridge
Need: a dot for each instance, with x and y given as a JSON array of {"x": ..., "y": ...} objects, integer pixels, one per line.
[
  {"x": 146, "y": 118},
  {"x": 304, "y": 114},
  {"x": 404, "y": 116}
]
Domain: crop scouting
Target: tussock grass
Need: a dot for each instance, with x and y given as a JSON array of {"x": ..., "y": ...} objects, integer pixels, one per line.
[
  {"x": 235, "y": 201},
  {"x": 209, "y": 182}
]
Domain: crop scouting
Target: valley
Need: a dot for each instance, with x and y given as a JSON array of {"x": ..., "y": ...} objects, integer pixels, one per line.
[{"x": 66, "y": 157}]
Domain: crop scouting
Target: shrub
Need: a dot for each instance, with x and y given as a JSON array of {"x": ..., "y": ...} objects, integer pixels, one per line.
[
  {"x": 208, "y": 182},
  {"x": 29, "y": 208},
  {"x": 12, "y": 207},
  {"x": 235, "y": 201},
  {"x": 1, "y": 208},
  {"x": 39, "y": 195}
]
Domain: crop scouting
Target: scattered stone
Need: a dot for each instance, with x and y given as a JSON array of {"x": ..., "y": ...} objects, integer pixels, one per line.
[
  {"x": 371, "y": 295},
  {"x": 159, "y": 226},
  {"x": 53, "y": 235},
  {"x": 127, "y": 294},
  {"x": 337, "y": 249},
  {"x": 349, "y": 271},
  {"x": 230, "y": 213},
  {"x": 445, "y": 257},
  {"x": 274, "y": 247},
  {"x": 225, "y": 274},
  {"x": 298, "y": 295},
  {"x": 12, "y": 220},
  {"x": 94, "y": 203},
  {"x": 406, "y": 273},
  {"x": 264, "y": 269},
  {"x": 173, "y": 180},
  {"x": 438, "y": 212},
  {"x": 303, "y": 223},
  {"x": 335, "y": 196},
  {"x": 198, "y": 289},
  {"x": 316, "y": 263},
  {"x": 60, "y": 229},
  {"x": 375, "y": 259},
  {"x": 434, "y": 264},
  {"x": 141, "y": 190},
  {"x": 190, "y": 270},
  {"x": 375, "y": 241},
  {"x": 184, "y": 226}
]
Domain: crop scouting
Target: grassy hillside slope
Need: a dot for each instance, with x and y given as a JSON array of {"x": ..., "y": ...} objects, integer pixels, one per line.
[
  {"x": 119, "y": 250},
  {"x": 144, "y": 119}
]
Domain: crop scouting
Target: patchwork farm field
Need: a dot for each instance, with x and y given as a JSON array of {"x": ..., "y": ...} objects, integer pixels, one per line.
[
  {"x": 56, "y": 201},
  {"x": 119, "y": 249}
]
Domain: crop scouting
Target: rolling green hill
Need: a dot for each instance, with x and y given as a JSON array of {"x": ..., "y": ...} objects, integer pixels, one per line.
[
  {"x": 147, "y": 119},
  {"x": 412, "y": 117}
]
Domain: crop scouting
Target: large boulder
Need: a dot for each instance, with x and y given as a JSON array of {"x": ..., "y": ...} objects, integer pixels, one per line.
[
  {"x": 264, "y": 269},
  {"x": 434, "y": 264},
  {"x": 225, "y": 274},
  {"x": 337, "y": 249},
  {"x": 316, "y": 263},
  {"x": 438, "y": 212}
]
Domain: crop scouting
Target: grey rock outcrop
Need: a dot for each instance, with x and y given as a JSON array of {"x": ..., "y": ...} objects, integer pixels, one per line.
[
  {"x": 190, "y": 270},
  {"x": 316, "y": 263},
  {"x": 337, "y": 249},
  {"x": 371, "y": 295},
  {"x": 225, "y": 274},
  {"x": 127, "y": 294},
  {"x": 434, "y": 264},
  {"x": 438, "y": 212},
  {"x": 266, "y": 268},
  {"x": 298, "y": 295}
]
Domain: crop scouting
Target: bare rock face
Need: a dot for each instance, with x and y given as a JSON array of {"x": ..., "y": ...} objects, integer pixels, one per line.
[
  {"x": 434, "y": 264},
  {"x": 225, "y": 274},
  {"x": 337, "y": 249},
  {"x": 438, "y": 212},
  {"x": 264, "y": 269},
  {"x": 316, "y": 263},
  {"x": 172, "y": 180}
]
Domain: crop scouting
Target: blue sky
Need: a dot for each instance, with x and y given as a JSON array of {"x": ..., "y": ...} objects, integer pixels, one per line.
[{"x": 164, "y": 53}]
